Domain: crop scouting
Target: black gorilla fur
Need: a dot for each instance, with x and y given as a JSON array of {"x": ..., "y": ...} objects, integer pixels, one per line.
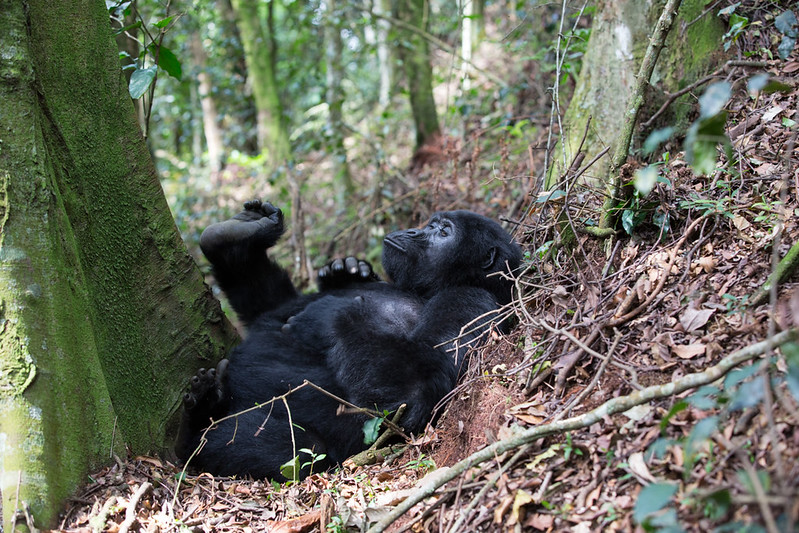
[{"x": 375, "y": 344}]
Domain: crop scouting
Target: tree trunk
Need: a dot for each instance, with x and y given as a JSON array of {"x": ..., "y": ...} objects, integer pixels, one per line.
[
  {"x": 103, "y": 314},
  {"x": 418, "y": 71},
  {"x": 619, "y": 37},
  {"x": 213, "y": 135},
  {"x": 384, "y": 58},
  {"x": 259, "y": 49},
  {"x": 335, "y": 101}
]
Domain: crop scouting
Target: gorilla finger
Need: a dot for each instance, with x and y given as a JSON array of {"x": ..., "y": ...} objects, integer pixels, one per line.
[
  {"x": 364, "y": 269},
  {"x": 221, "y": 369},
  {"x": 351, "y": 263},
  {"x": 189, "y": 401},
  {"x": 358, "y": 299},
  {"x": 324, "y": 272},
  {"x": 286, "y": 328},
  {"x": 337, "y": 266}
]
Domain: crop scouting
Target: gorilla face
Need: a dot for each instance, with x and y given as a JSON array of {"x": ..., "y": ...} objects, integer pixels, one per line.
[{"x": 455, "y": 248}]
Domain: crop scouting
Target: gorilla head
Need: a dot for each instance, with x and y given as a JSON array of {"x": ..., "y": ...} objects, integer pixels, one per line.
[{"x": 455, "y": 248}]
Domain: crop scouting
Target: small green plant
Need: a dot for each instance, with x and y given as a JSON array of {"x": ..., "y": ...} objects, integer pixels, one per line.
[
  {"x": 787, "y": 24},
  {"x": 423, "y": 463},
  {"x": 336, "y": 525},
  {"x": 291, "y": 469},
  {"x": 738, "y": 24}
]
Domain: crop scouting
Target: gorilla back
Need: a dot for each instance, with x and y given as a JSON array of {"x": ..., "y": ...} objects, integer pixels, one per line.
[{"x": 375, "y": 344}]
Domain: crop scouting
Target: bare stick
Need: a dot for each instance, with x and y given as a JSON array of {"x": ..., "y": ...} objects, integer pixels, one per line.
[
  {"x": 613, "y": 406},
  {"x": 130, "y": 512}
]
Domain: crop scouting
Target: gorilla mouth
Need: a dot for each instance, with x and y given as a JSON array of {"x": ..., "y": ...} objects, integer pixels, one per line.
[{"x": 394, "y": 244}]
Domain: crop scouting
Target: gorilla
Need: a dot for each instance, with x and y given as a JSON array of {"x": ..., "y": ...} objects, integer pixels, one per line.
[{"x": 375, "y": 344}]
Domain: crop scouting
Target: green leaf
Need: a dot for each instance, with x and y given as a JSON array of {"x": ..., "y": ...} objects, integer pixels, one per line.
[
  {"x": 791, "y": 352},
  {"x": 701, "y": 431},
  {"x": 168, "y": 61},
  {"x": 656, "y": 138},
  {"x": 140, "y": 81},
  {"x": 729, "y": 10},
  {"x": 785, "y": 22},
  {"x": 652, "y": 499},
  {"x": 757, "y": 82},
  {"x": 371, "y": 430},
  {"x": 644, "y": 179},
  {"x": 703, "y": 397},
  {"x": 749, "y": 394},
  {"x": 701, "y": 141},
  {"x": 164, "y": 22},
  {"x": 628, "y": 221},
  {"x": 682, "y": 405},
  {"x": 717, "y": 504},
  {"x": 291, "y": 468},
  {"x": 738, "y": 375},
  {"x": 762, "y": 476},
  {"x": 714, "y": 99},
  {"x": 786, "y": 46}
]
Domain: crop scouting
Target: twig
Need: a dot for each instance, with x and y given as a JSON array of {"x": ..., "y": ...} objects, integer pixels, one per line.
[
  {"x": 464, "y": 513},
  {"x": 605, "y": 361},
  {"x": 613, "y": 406},
  {"x": 130, "y": 512}
]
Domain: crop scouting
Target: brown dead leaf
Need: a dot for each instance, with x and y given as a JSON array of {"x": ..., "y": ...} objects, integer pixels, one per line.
[
  {"x": 521, "y": 499},
  {"x": 541, "y": 522},
  {"x": 793, "y": 66},
  {"x": 693, "y": 319},
  {"x": 639, "y": 468},
  {"x": 688, "y": 351},
  {"x": 306, "y": 522},
  {"x": 530, "y": 412}
]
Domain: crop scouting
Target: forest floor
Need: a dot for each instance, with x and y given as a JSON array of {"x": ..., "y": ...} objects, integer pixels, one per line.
[{"x": 654, "y": 307}]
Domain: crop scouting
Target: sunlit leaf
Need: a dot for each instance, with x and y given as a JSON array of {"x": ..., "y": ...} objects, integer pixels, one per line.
[
  {"x": 291, "y": 468},
  {"x": 164, "y": 22},
  {"x": 644, "y": 179},
  {"x": 656, "y": 138},
  {"x": 714, "y": 99},
  {"x": 729, "y": 10},
  {"x": 140, "y": 81},
  {"x": 168, "y": 61},
  {"x": 371, "y": 430},
  {"x": 652, "y": 499},
  {"x": 757, "y": 82}
]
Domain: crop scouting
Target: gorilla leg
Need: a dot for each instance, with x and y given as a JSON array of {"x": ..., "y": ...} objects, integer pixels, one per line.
[{"x": 237, "y": 248}]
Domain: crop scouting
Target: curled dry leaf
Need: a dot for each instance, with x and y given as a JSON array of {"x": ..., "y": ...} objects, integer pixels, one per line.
[
  {"x": 639, "y": 468},
  {"x": 693, "y": 319},
  {"x": 688, "y": 351}
]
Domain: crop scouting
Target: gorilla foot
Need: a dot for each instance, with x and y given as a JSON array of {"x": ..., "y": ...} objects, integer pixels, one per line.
[
  {"x": 260, "y": 224},
  {"x": 207, "y": 392},
  {"x": 341, "y": 272}
]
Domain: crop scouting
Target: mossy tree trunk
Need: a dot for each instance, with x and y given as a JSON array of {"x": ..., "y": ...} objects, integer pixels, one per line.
[
  {"x": 334, "y": 66},
  {"x": 415, "y": 53},
  {"x": 257, "y": 35},
  {"x": 103, "y": 314},
  {"x": 619, "y": 37}
]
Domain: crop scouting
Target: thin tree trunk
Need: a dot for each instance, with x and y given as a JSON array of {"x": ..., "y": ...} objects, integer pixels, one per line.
[
  {"x": 213, "y": 135},
  {"x": 104, "y": 315},
  {"x": 335, "y": 102},
  {"x": 418, "y": 71},
  {"x": 384, "y": 60},
  {"x": 259, "y": 49}
]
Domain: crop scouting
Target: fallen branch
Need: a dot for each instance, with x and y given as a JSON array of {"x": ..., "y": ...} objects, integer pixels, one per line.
[
  {"x": 130, "y": 512},
  {"x": 613, "y": 406},
  {"x": 785, "y": 268}
]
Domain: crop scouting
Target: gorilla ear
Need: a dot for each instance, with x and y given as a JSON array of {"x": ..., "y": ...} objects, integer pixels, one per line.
[{"x": 491, "y": 257}]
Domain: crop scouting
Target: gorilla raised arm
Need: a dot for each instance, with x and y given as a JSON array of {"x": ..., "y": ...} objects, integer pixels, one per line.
[{"x": 375, "y": 344}]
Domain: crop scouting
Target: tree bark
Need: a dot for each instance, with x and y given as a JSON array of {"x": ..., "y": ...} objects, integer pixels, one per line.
[
  {"x": 619, "y": 37},
  {"x": 213, "y": 135},
  {"x": 103, "y": 314},
  {"x": 259, "y": 50},
  {"x": 418, "y": 71},
  {"x": 335, "y": 103}
]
